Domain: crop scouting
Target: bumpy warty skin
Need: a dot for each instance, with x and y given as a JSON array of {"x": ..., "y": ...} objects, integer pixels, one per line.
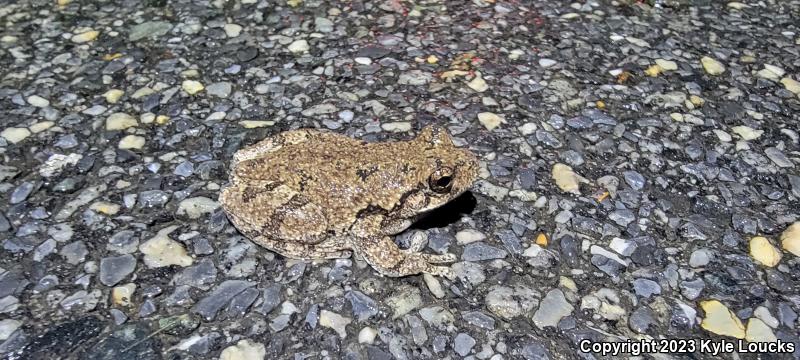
[{"x": 312, "y": 194}]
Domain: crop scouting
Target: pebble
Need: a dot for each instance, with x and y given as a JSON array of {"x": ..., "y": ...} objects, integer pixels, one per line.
[
  {"x": 607, "y": 261},
  {"x": 527, "y": 128},
  {"x": 363, "y": 306},
  {"x": 253, "y": 124},
  {"x": 478, "y": 84},
  {"x": 81, "y": 301},
  {"x": 202, "y": 276},
  {"x": 334, "y": 321},
  {"x": 501, "y": 301},
  {"x": 122, "y": 295},
  {"x": 323, "y": 25},
  {"x": 132, "y": 142},
  {"x": 791, "y": 85},
  {"x": 232, "y": 30},
  {"x": 38, "y": 101},
  {"x": 113, "y": 95},
  {"x": 765, "y": 316},
  {"x": 414, "y": 77},
  {"x": 642, "y": 319},
  {"x": 434, "y": 286},
  {"x": 546, "y": 63},
  {"x": 220, "y": 89},
  {"x": 778, "y": 157},
  {"x": 196, "y": 207},
  {"x": 41, "y": 126},
  {"x": 185, "y": 169},
  {"x": 467, "y": 236},
  {"x": 667, "y": 64},
  {"x": 21, "y": 192},
  {"x": 463, "y": 344},
  {"x": 245, "y": 349},
  {"x": 160, "y": 250},
  {"x": 790, "y": 239},
  {"x": 74, "y": 252},
  {"x": 480, "y": 251},
  {"x": 692, "y": 289},
  {"x": 771, "y": 72},
  {"x": 367, "y": 335},
  {"x": 404, "y": 300},
  {"x": 120, "y": 121},
  {"x": 298, "y": 47},
  {"x": 758, "y": 331},
  {"x": 14, "y": 134},
  {"x": 192, "y": 87},
  {"x": 764, "y": 252},
  {"x": 271, "y": 298},
  {"x": 722, "y": 135},
  {"x": 437, "y": 317},
  {"x": 566, "y": 179},
  {"x": 634, "y": 179},
  {"x": 712, "y": 66},
  {"x": 149, "y": 29},
  {"x": 115, "y": 268},
  {"x": 479, "y": 319},
  {"x": 700, "y": 258},
  {"x": 552, "y": 309},
  {"x": 470, "y": 273},
  {"x": 319, "y": 109},
  {"x": 398, "y": 126},
  {"x": 85, "y": 36},
  {"x": 747, "y": 133},
  {"x": 721, "y": 321},
  {"x": 490, "y": 120},
  {"x": 646, "y": 287},
  {"x": 7, "y": 327},
  {"x": 211, "y": 304}
]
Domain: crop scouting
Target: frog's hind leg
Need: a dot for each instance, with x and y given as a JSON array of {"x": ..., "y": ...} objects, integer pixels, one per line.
[
  {"x": 295, "y": 250},
  {"x": 271, "y": 144}
]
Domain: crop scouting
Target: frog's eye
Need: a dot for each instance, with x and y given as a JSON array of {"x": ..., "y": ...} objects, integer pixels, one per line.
[{"x": 441, "y": 180}]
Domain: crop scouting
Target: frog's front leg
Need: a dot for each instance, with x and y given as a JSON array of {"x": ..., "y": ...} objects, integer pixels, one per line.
[{"x": 388, "y": 259}]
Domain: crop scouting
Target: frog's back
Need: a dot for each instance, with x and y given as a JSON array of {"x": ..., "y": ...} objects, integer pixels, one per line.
[{"x": 341, "y": 174}]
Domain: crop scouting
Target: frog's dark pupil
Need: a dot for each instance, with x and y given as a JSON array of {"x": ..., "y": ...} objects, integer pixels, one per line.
[{"x": 443, "y": 182}]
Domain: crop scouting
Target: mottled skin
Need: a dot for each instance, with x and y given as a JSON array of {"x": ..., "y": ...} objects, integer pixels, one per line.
[{"x": 315, "y": 195}]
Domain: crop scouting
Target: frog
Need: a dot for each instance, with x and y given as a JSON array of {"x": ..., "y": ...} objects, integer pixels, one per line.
[{"x": 312, "y": 194}]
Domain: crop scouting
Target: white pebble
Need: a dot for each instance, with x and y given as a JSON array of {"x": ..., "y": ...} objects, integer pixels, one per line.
[{"x": 38, "y": 101}]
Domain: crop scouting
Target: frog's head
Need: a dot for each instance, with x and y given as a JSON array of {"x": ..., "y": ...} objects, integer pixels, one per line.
[{"x": 448, "y": 170}]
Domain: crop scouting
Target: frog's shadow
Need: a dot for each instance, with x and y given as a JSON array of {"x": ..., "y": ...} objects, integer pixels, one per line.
[{"x": 447, "y": 213}]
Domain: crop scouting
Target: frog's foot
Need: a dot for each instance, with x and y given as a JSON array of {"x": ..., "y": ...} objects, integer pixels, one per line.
[
  {"x": 442, "y": 271},
  {"x": 385, "y": 257}
]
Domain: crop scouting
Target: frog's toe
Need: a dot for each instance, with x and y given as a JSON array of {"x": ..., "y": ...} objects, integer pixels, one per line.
[
  {"x": 442, "y": 271},
  {"x": 439, "y": 259}
]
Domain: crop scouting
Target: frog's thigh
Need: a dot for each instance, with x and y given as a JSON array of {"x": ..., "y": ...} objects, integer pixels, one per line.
[
  {"x": 301, "y": 221},
  {"x": 294, "y": 250}
]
